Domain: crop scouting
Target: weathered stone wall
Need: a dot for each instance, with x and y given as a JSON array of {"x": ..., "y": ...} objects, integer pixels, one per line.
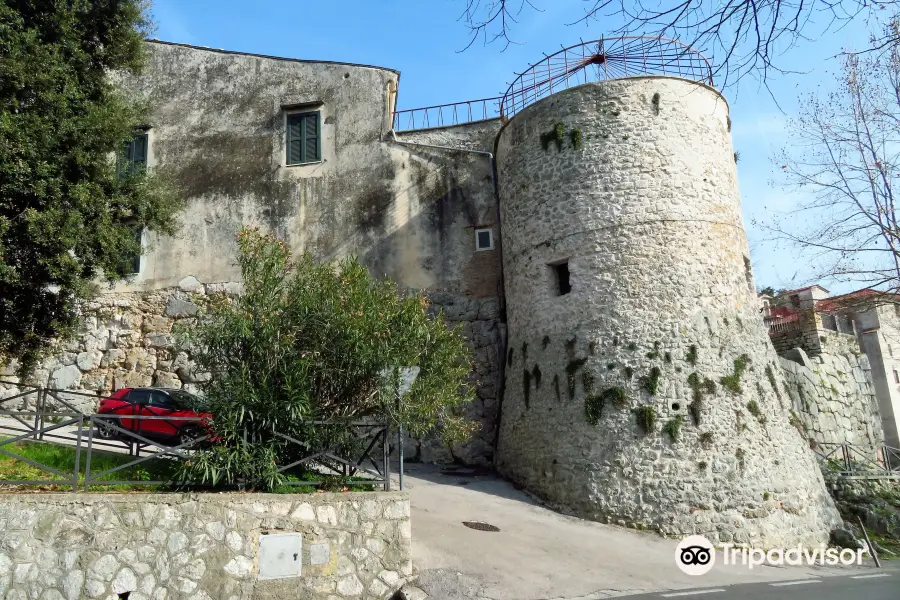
[
  {"x": 200, "y": 547},
  {"x": 647, "y": 214},
  {"x": 833, "y": 396},
  {"x": 127, "y": 341},
  {"x": 474, "y": 298}
]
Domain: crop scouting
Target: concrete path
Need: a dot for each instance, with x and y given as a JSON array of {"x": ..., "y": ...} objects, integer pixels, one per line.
[{"x": 539, "y": 554}]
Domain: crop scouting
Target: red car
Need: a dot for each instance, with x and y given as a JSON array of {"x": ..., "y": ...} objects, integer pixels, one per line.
[{"x": 154, "y": 402}]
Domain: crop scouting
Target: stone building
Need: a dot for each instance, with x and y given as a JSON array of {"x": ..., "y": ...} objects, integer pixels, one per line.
[
  {"x": 614, "y": 314},
  {"x": 863, "y": 327}
]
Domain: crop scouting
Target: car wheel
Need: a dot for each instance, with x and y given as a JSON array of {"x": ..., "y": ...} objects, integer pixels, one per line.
[
  {"x": 188, "y": 435},
  {"x": 104, "y": 430}
]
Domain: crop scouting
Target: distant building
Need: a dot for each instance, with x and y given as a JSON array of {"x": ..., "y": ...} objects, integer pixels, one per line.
[{"x": 866, "y": 321}]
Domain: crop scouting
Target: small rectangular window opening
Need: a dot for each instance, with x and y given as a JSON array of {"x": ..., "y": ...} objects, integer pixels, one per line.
[
  {"x": 134, "y": 156},
  {"x": 304, "y": 138},
  {"x": 484, "y": 239},
  {"x": 562, "y": 278},
  {"x": 132, "y": 261}
]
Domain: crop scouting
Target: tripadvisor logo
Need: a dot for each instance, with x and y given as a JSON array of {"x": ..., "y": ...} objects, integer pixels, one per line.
[{"x": 696, "y": 555}]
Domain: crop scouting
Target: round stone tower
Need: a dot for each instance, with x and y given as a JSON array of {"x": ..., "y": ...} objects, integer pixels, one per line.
[{"x": 641, "y": 386}]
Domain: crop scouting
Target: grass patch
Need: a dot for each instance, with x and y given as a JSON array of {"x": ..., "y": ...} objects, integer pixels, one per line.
[
  {"x": 62, "y": 458},
  {"x": 732, "y": 382}
]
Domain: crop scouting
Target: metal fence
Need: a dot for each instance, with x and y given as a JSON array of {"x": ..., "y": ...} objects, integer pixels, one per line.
[
  {"x": 42, "y": 415},
  {"x": 850, "y": 460},
  {"x": 442, "y": 115}
]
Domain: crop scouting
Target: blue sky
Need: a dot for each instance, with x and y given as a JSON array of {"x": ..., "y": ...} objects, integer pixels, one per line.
[{"x": 423, "y": 39}]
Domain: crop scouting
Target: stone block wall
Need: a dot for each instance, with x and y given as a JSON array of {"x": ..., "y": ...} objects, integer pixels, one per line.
[
  {"x": 127, "y": 341},
  {"x": 200, "y": 547},
  {"x": 834, "y": 398}
]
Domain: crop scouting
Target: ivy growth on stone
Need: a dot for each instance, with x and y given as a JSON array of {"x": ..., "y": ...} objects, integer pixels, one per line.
[
  {"x": 576, "y": 139},
  {"x": 691, "y": 355},
  {"x": 673, "y": 426},
  {"x": 650, "y": 382},
  {"x": 753, "y": 409},
  {"x": 698, "y": 389},
  {"x": 654, "y": 354},
  {"x": 702, "y": 465},
  {"x": 526, "y": 387},
  {"x": 557, "y": 136},
  {"x": 631, "y": 346},
  {"x": 610, "y": 366},
  {"x": 732, "y": 382},
  {"x": 797, "y": 423},
  {"x": 587, "y": 381},
  {"x": 705, "y": 439},
  {"x": 770, "y": 375},
  {"x": 593, "y": 408},
  {"x": 646, "y": 418}
]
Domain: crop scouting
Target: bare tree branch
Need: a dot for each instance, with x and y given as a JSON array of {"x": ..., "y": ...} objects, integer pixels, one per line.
[
  {"x": 843, "y": 160},
  {"x": 741, "y": 36}
]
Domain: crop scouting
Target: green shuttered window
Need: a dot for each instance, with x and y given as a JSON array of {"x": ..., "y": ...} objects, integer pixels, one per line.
[
  {"x": 135, "y": 155},
  {"x": 304, "y": 138}
]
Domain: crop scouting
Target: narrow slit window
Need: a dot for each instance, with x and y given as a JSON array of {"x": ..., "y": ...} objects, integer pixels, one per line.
[
  {"x": 563, "y": 284},
  {"x": 304, "y": 138},
  {"x": 484, "y": 239},
  {"x": 896, "y": 376}
]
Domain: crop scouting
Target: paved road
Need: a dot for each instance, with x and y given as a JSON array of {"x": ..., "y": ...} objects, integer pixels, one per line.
[
  {"x": 884, "y": 585},
  {"x": 539, "y": 554}
]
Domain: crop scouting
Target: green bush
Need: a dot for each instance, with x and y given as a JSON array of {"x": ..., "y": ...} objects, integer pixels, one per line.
[{"x": 312, "y": 342}]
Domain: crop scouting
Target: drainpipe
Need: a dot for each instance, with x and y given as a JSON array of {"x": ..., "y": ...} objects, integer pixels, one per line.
[{"x": 501, "y": 387}]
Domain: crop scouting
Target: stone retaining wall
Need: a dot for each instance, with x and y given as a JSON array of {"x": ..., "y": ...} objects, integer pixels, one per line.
[
  {"x": 201, "y": 547},
  {"x": 834, "y": 398},
  {"x": 128, "y": 341}
]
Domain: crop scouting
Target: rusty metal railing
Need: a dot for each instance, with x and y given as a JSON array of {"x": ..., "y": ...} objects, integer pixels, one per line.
[{"x": 443, "y": 115}]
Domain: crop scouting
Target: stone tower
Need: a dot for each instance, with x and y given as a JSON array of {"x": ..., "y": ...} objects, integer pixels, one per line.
[{"x": 641, "y": 387}]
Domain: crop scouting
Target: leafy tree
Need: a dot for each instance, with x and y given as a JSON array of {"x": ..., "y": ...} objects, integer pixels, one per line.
[
  {"x": 67, "y": 216},
  {"x": 309, "y": 342}
]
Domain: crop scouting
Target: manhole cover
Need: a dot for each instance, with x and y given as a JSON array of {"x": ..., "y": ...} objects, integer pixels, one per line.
[{"x": 480, "y": 526}]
